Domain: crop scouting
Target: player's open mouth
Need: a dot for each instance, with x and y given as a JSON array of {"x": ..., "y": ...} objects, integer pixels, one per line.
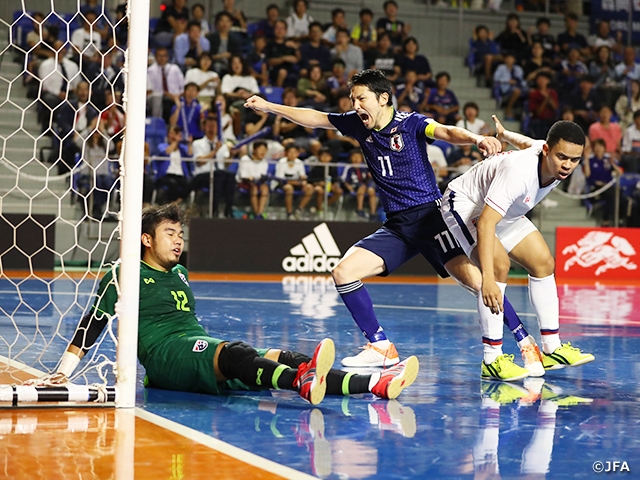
[
  {"x": 364, "y": 116},
  {"x": 177, "y": 251}
]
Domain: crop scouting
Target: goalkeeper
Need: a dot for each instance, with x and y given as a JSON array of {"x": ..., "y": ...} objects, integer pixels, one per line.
[{"x": 178, "y": 354}]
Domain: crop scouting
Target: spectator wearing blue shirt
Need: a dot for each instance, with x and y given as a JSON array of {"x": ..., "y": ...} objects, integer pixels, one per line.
[
  {"x": 409, "y": 92},
  {"x": 485, "y": 52},
  {"x": 266, "y": 26},
  {"x": 571, "y": 71},
  {"x": 570, "y": 38},
  {"x": 186, "y": 113},
  {"x": 103, "y": 23},
  {"x": 509, "y": 82},
  {"x": 599, "y": 171},
  {"x": 412, "y": 60},
  {"x": 442, "y": 102},
  {"x": 313, "y": 51},
  {"x": 188, "y": 46}
]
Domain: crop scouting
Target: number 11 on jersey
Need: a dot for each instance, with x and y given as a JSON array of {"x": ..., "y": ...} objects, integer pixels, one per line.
[{"x": 385, "y": 160}]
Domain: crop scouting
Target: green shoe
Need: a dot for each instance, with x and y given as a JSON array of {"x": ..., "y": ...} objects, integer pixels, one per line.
[
  {"x": 565, "y": 356},
  {"x": 503, "y": 368},
  {"x": 562, "y": 400},
  {"x": 503, "y": 393}
]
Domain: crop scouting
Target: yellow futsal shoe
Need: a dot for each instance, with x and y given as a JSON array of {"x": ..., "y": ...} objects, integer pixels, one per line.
[
  {"x": 555, "y": 395},
  {"x": 503, "y": 393},
  {"x": 503, "y": 368},
  {"x": 565, "y": 355}
]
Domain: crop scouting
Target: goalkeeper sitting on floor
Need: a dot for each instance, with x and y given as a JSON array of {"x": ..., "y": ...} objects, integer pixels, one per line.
[{"x": 178, "y": 354}]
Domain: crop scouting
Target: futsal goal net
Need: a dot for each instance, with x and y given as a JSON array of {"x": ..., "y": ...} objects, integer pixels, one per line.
[{"x": 72, "y": 117}]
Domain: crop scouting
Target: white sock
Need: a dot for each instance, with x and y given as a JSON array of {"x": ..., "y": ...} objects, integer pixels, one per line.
[
  {"x": 528, "y": 340},
  {"x": 382, "y": 344},
  {"x": 492, "y": 329},
  {"x": 375, "y": 377},
  {"x": 543, "y": 294}
]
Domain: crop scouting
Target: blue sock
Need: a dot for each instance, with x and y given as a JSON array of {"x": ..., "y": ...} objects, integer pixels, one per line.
[
  {"x": 513, "y": 322},
  {"x": 358, "y": 302}
]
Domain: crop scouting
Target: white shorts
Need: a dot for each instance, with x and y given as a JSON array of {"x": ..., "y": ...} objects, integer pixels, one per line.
[{"x": 461, "y": 214}]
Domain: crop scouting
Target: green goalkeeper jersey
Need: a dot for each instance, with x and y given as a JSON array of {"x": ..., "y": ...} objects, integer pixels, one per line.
[{"x": 167, "y": 306}]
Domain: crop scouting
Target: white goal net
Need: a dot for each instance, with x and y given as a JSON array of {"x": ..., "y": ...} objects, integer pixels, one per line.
[{"x": 64, "y": 84}]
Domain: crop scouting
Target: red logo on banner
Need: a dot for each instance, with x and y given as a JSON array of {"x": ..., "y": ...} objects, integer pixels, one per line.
[{"x": 598, "y": 253}]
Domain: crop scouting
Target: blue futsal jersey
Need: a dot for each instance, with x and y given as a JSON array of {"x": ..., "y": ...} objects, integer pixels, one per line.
[{"x": 396, "y": 156}]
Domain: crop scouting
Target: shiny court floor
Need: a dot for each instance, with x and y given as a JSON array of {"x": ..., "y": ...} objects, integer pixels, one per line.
[{"x": 449, "y": 424}]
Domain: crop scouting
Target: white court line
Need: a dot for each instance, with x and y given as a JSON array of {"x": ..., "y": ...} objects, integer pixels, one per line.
[
  {"x": 222, "y": 447},
  {"x": 21, "y": 366}
]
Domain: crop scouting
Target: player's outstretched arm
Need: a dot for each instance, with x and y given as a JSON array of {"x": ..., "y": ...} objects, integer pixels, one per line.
[
  {"x": 461, "y": 136},
  {"x": 516, "y": 139},
  {"x": 306, "y": 117}
]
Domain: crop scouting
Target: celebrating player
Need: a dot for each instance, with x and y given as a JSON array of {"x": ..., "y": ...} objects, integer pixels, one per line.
[
  {"x": 178, "y": 354},
  {"x": 395, "y": 148},
  {"x": 484, "y": 209}
]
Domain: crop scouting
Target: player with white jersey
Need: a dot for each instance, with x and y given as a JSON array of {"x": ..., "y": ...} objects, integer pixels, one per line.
[
  {"x": 394, "y": 145},
  {"x": 484, "y": 209}
]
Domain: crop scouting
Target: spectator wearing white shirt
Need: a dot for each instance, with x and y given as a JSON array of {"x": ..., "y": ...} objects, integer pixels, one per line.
[
  {"x": 628, "y": 69},
  {"x": 173, "y": 174},
  {"x": 210, "y": 149},
  {"x": 59, "y": 78},
  {"x": 630, "y": 161},
  {"x": 470, "y": 120},
  {"x": 188, "y": 46},
  {"x": 293, "y": 178},
  {"x": 197, "y": 14},
  {"x": 205, "y": 78},
  {"x": 86, "y": 42},
  {"x": 165, "y": 85},
  {"x": 252, "y": 176},
  {"x": 337, "y": 22},
  {"x": 299, "y": 20},
  {"x": 239, "y": 84}
]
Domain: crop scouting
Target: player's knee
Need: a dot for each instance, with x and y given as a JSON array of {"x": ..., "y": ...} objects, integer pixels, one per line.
[
  {"x": 544, "y": 267},
  {"x": 341, "y": 274},
  {"x": 233, "y": 355}
]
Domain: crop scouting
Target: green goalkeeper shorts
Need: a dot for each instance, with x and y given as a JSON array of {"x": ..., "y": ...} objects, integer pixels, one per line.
[{"x": 185, "y": 364}]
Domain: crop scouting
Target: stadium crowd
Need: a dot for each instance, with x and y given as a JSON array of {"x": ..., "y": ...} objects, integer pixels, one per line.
[{"x": 201, "y": 73}]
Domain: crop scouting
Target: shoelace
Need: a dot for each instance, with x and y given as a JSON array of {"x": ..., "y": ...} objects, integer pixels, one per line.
[{"x": 302, "y": 369}]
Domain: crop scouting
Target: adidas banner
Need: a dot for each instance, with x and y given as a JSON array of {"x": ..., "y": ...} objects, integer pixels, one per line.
[{"x": 278, "y": 246}]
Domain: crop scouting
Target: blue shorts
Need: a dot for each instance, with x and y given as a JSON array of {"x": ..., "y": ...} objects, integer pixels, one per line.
[{"x": 416, "y": 230}]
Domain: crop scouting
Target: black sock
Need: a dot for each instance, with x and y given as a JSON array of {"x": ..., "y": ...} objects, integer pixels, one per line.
[
  {"x": 274, "y": 375},
  {"x": 346, "y": 383}
]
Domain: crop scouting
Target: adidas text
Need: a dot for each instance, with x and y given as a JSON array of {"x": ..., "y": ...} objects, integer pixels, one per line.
[
  {"x": 310, "y": 263},
  {"x": 317, "y": 252}
]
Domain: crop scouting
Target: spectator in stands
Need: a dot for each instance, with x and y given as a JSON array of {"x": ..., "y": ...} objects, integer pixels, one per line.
[
  {"x": 210, "y": 149},
  {"x": 253, "y": 176},
  {"x": 442, "y": 102},
  {"x": 604, "y": 37},
  {"x": 363, "y": 34},
  {"x": 197, "y": 15},
  {"x": 412, "y": 60},
  {"x": 351, "y": 54},
  {"x": 383, "y": 58},
  {"x": 59, "y": 78},
  {"x": 40, "y": 49},
  {"x": 471, "y": 122},
  {"x": 439, "y": 164},
  {"x": 313, "y": 89},
  {"x": 627, "y": 105},
  {"x": 103, "y": 24},
  {"x": 485, "y": 51},
  {"x": 188, "y": 46},
  {"x": 337, "y": 22},
  {"x": 121, "y": 24},
  {"x": 357, "y": 181},
  {"x": 238, "y": 19},
  {"x": 207, "y": 80},
  {"x": 512, "y": 39},
  {"x": 584, "y": 103},
  {"x": 396, "y": 29},
  {"x": 537, "y": 64},
  {"x": 462, "y": 158},
  {"x": 630, "y": 161},
  {"x": 173, "y": 21},
  {"x": 338, "y": 80},
  {"x": 543, "y": 106},
  {"x": 110, "y": 77},
  {"x": 186, "y": 113},
  {"x": 571, "y": 71},
  {"x": 508, "y": 80},
  {"x": 292, "y": 175},
  {"x": 257, "y": 59},
  {"x": 282, "y": 57},
  {"x": 226, "y": 120},
  {"x": 410, "y": 92},
  {"x": 173, "y": 174},
  {"x": 239, "y": 84},
  {"x": 628, "y": 69},
  {"x": 165, "y": 85},
  {"x": 313, "y": 51},
  {"x": 224, "y": 43},
  {"x": 299, "y": 22},
  {"x": 80, "y": 115},
  {"x": 570, "y": 38},
  {"x": 542, "y": 36},
  {"x": 318, "y": 180},
  {"x": 96, "y": 179},
  {"x": 112, "y": 120},
  {"x": 607, "y": 130},
  {"x": 602, "y": 70},
  {"x": 267, "y": 25},
  {"x": 292, "y": 132},
  {"x": 255, "y": 121},
  {"x": 86, "y": 43},
  {"x": 599, "y": 171}
]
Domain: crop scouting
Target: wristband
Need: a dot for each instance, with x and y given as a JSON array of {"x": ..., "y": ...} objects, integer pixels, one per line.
[{"x": 68, "y": 364}]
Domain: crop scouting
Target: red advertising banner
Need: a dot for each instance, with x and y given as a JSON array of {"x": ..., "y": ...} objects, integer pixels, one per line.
[{"x": 598, "y": 254}]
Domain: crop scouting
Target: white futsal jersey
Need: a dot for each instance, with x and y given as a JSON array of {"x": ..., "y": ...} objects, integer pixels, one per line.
[{"x": 509, "y": 182}]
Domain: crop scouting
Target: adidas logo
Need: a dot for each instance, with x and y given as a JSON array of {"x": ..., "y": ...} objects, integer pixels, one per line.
[{"x": 318, "y": 252}]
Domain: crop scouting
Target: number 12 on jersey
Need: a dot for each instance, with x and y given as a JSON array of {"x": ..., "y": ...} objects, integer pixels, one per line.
[
  {"x": 181, "y": 300},
  {"x": 385, "y": 160}
]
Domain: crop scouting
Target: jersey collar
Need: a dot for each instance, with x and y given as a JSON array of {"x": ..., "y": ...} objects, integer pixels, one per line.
[{"x": 393, "y": 116}]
